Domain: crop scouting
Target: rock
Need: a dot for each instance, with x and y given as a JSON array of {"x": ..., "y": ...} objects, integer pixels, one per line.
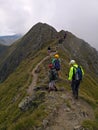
[
  {"x": 63, "y": 96},
  {"x": 45, "y": 123},
  {"x": 26, "y": 103},
  {"x": 37, "y": 70},
  {"x": 68, "y": 110},
  {"x": 77, "y": 127}
]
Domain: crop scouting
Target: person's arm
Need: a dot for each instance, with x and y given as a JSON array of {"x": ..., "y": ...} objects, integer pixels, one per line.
[
  {"x": 70, "y": 74},
  {"x": 82, "y": 70}
]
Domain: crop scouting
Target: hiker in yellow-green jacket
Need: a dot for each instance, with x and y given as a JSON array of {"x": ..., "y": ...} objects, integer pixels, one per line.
[{"x": 75, "y": 76}]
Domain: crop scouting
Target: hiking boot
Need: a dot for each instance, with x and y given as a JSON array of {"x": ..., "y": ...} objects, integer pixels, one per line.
[
  {"x": 56, "y": 89},
  {"x": 49, "y": 90},
  {"x": 76, "y": 97}
]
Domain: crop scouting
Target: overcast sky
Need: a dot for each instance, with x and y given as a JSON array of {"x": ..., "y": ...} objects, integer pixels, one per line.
[{"x": 77, "y": 16}]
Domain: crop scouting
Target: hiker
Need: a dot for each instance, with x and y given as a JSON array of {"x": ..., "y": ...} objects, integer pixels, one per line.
[
  {"x": 49, "y": 50},
  {"x": 56, "y": 63},
  {"x": 60, "y": 41},
  {"x": 65, "y": 35},
  {"x": 75, "y": 77},
  {"x": 52, "y": 77}
]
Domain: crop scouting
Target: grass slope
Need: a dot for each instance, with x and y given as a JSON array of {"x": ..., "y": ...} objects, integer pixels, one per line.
[{"x": 13, "y": 90}]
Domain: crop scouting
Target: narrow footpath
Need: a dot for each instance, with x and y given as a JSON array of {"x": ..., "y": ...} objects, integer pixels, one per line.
[
  {"x": 35, "y": 75},
  {"x": 66, "y": 113}
]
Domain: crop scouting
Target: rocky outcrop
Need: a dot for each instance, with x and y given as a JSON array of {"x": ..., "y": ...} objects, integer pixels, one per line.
[{"x": 31, "y": 101}]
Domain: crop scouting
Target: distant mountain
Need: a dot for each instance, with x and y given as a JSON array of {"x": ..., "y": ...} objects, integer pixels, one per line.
[{"x": 8, "y": 40}]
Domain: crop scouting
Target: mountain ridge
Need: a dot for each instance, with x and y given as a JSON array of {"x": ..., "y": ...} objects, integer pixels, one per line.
[
  {"x": 27, "y": 45},
  {"x": 45, "y": 109}
]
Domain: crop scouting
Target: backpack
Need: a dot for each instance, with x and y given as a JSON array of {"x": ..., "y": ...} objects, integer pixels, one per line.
[
  {"x": 57, "y": 64},
  {"x": 78, "y": 74},
  {"x": 52, "y": 74}
]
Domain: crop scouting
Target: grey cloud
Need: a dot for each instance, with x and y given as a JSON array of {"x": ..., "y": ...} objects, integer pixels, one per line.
[{"x": 79, "y": 17}]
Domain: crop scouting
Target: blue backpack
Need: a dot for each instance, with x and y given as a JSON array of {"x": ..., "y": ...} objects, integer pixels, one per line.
[
  {"x": 57, "y": 64},
  {"x": 78, "y": 74}
]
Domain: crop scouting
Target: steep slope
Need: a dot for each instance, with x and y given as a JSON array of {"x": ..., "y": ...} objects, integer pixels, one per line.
[
  {"x": 33, "y": 41},
  {"x": 46, "y": 111},
  {"x": 2, "y": 48},
  {"x": 82, "y": 52},
  {"x": 54, "y": 110}
]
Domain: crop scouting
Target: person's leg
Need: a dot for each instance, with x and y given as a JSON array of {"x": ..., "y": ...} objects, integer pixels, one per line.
[
  {"x": 50, "y": 86},
  {"x": 55, "y": 88},
  {"x": 73, "y": 87},
  {"x": 77, "y": 89}
]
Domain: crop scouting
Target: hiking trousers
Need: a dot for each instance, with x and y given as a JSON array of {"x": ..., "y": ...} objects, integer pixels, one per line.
[{"x": 75, "y": 87}]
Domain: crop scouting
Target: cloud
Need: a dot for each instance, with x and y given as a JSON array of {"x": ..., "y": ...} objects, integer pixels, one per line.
[{"x": 79, "y": 17}]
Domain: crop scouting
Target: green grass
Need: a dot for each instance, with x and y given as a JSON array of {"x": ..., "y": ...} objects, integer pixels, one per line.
[
  {"x": 13, "y": 90},
  {"x": 91, "y": 125},
  {"x": 30, "y": 121}
]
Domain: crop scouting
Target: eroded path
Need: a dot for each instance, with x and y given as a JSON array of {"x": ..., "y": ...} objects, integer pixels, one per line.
[
  {"x": 66, "y": 113},
  {"x": 35, "y": 75}
]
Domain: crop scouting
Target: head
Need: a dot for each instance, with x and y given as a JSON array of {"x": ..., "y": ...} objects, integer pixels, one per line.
[
  {"x": 56, "y": 56},
  {"x": 72, "y": 62}
]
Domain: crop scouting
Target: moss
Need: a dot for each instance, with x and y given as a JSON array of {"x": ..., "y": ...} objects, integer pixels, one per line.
[{"x": 92, "y": 125}]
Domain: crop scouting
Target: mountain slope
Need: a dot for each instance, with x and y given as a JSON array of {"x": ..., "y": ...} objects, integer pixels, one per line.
[
  {"x": 81, "y": 51},
  {"x": 2, "y": 48},
  {"x": 45, "y": 110},
  {"x": 33, "y": 41}
]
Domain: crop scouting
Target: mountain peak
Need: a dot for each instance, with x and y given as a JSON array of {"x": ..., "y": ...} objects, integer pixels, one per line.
[{"x": 43, "y": 27}]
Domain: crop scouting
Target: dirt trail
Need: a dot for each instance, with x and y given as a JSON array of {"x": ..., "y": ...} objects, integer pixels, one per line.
[
  {"x": 66, "y": 113},
  {"x": 70, "y": 113},
  {"x": 35, "y": 75}
]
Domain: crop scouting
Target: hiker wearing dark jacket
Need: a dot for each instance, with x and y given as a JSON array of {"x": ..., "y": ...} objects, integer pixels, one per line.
[
  {"x": 74, "y": 77},
  {"x": 52, "y": 77},
  {"x": 65, "y": 35},
  {"x": 49, "y": 50}
]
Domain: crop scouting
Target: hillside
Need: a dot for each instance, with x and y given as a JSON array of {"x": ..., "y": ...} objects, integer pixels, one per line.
[
  {"x": 29, "y": 44},
  {"x": 2, "y": 48},
  {"x": 43, "y": 110}
]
